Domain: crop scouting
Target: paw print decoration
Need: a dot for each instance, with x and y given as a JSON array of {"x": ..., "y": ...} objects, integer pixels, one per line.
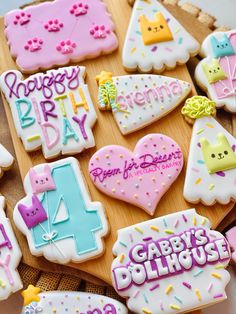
[
  {"x": 34, "y": 44},
  {"x": 66, "y": 47},
  {"x": 53, "y": 26},
  {"x": 79, "y": 9},
  {"x": 22, "y": 18},
  {"x": 99, "y": 31}
]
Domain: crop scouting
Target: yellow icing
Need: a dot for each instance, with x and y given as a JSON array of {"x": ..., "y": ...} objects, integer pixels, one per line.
[
  {"x": 155, "y": 31},
  {"x": 198, "y": 106},
  {"x": 104, "y": 77},
  {"x": 214, "y": 71},
  {"x": 31, "y": 295}
]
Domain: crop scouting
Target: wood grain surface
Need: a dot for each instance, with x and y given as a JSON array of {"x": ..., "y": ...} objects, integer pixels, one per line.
[{"x": 106, "y": 132}]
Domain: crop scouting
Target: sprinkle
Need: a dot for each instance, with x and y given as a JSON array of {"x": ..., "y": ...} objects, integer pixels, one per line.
[
  {"x": 209, "y": 125},
  {"x": 135, "y": 195},
  {"x": 194, "y": 220},
  {"x": 178, "y": 299},
  {"x": 199, "y": 180},
  {"x": 210, "y": 287},
  {"x": 203, "y": 221},
  {"x": 154, "y": 287},
  {"x": 165, "y": 223},
  {"x": 161, "y": 306},
  {"x": 168, "y": 231},
  {"x": 131, "y": 237},
  {"x": 168, "y": 289},
  {"x": 195, "y": 170},
  {"x": 146, "y": 311},
  {"x": 133, "y": 50},
  {"x": 113, "y": 190},
  {"x": 175, "y": 307},
  {"x": 198, "y": 273},
  {"x": 218, "y": 296},
  {"x": 145, "y": 298},
  {"x": 123, "y": 244},
  {"x": 187, "y": 285},
  {"x": 177, "y": 30},
  {"x": 97, "y": 158},
  {"x": 154, "y": 49},
  {"x": 138, "y": 32},
  {"x": 136, "y": 293},
  {"x": 201, "y": 162},
  {"x": 122, "y": 256},
  {"x": 33, "y": 138},
  {"x": 198, "y": 294},
  {"x": 218, "y": 276},
  {"x": 107, "y": 156},
  {"x": 138, "y": 229},
  {"x": 176, "y": 223},
  {"x": 154, "y": 228},
  {"x": 168, "y": 49},
  {"x": 184, "y": 218},
  {"x": 211, "y": 186},
  {"x": 200, "y": 131},
  {"x": 121, "y": 156},
  {"x": 220, "y": 266},
  {"x": 180, "y": 41}
]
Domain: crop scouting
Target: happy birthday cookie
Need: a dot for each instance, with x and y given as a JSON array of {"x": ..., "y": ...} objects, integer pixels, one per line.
[
  {"x": 10, "y": 256},
  {"x": 57, "y": 215},
  {"x": 140, "y": 177},
  {"x": 6, "y": 160},
  {"x": 59, "y": 32},
  {"x": 211, "y": 169},
  {"x": 51, "y": 110},
  {"x": 61, "y": 302},
  {"x": 171, "y": 264},
  {"x": 216, "y": 73},
  {"x": 138, "y": 100},
  {"x": 155, "y": 40}
]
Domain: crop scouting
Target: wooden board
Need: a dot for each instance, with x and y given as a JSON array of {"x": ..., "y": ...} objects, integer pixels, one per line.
[{"x": 106, "y": 132}]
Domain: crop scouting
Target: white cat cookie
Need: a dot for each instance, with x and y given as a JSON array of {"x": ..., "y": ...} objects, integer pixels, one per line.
[
  {"x": 6, "y": 160},
  {"x": 139, "y": 100},
  {"x": 211, "y": 169},
  {"x": 53, "y": 110},
  {"x": 155, "y": 40},
  {"x": 58, "y": 217},
  {"x": 216, "y": 73},
  {"x": 171, "y": 264},
  {"x": 10, "y": 256}
]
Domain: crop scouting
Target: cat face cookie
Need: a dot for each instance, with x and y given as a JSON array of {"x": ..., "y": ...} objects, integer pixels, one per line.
[
  {"x": 51, "y": 110},
  {"x": 61, "y": 302},
  {"x": 171, "y": 264},
  {"x": 57, "y": 215},
  {"x": 211, "y": 168},
  {"x": 10, "y": 256},
  {"x": 6, "y": 160},
  {"x": 155, "y": 40},
  {"x": 138, "y": 100},
  {"x": 49, "y": 34},
  {"x": 216, "y": 73},
  {"x": 140, "y": 177}
]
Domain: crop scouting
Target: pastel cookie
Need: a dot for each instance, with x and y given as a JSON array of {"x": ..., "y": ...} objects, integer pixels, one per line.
[
  {"x": 6, "y": 160},
  {"x": 211, "y": 169},
  {"x": 52, "y": 110},
  {"x": 49, "y": 34},
  {"x": 216, "y": 73},
  {"x": 155, "y": 40},
  {"x": 139, "y": 100},
  {"x": 10, "y": 256},
  {"x": 140, "y": 177},
  {"x": 61, "y": 302},
  {"x": 171, "y": 264},
  {"x": 231, "y": 237},
  {"x": 57, "y": 215}
]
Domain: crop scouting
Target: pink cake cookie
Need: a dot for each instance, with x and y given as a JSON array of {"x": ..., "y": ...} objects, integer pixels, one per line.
[{"x": 59, "y": 32}]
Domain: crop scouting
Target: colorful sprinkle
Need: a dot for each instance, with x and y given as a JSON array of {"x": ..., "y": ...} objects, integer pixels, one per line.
[
  {"x": 155, "y": 228},
  {"x": 180, "y": 41},
  {"x": 209, "y": 125},
  {"x": 194, "y": 221},
  {"x": 168, "y": 231},
  {"x": 220, "y": 266},
  {"x": 131, "y": 237},
  {"x": 146, "y": 311},
  {"x": 199, "y": 272},
  {"x": 122, "y": 257},
  {"x": 178, "y": 299},
  {"x": 168, "y": 289},
  {"x": 218, "y": 276},
  {"x": 154, "y": 287},
  {"x": 198, "y": 294},
  {"x": 123, "y": 244},
  {"x": 175, "y": 307},
  {"x": 145, "y": 298},
  {"x": 161, "y": 306},
  {"x": 176, "y": 223},
  {"x": 136, "y": 293},
  {"x": 211, "y": 186},
  {"x": 200, "y": 131},
  {"x": 195, "y": 170},
  {"x": 199, "y": 180},
  {"x": 165, "y": 223},
  {"x": 133, "y": 50},
  {"x": 201, "y": 162},
  {"x": 210, "y": 287},
  {"x": 203, "y": 221},
  {"x": 138, "y": 229},
  {"x": 218, "y": 296},
  {"x": 187, "y": 285},
  {"x": 33, "y": 138},
  {"x": 184, "y": 218}
]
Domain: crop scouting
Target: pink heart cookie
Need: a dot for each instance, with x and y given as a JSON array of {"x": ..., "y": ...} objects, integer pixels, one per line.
[{"x": 141, "y": 177}]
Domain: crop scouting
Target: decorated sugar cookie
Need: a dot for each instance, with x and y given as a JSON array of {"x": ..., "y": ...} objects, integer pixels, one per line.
[
  {"x": 140, "y": 177},
  {"x": 139, "y": 100},
  {"x": 171, "y": 264},
  {"x": 211, "y": 169},
  {"x": 155, "y": 39},
  {"x": 59, "y": 32},
  {"x": 6, "y": 160},
  {"x": 61, "y": 302},
  {"x": 216, "y": 73},
  {"x": 231, "y": 237},
  {"x": 57, "y": 215},
  {"x": 10, "y": 256},
  {"x": 53, "y": 110}
]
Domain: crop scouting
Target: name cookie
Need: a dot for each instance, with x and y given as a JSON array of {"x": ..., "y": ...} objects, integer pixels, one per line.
[
  {"x": 140, "y": 177},
  {"x": 57, "y": 216},
  {"x": 171, "y": 264},
  {"x": 10, "y": 256},
  {"x": 138, "y": 100},
  {"x": 59, "y": 32},
  {"x": 52, "y": 110},
  {"x": 211, "y": 168},
  {"x": 6, "y": 160},
  {"x": 155, "y": 40},
  {"x": 61, "y": 302},
  {"x": 216, "y": 72}
]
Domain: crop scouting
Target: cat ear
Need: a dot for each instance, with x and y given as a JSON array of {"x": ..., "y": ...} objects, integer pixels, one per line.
[
  {"x": 47, "y": 169},
  {"x": 204, "y": 143},
  {"x": 22, "y": 208},
  {"x": 32, "y": 174},
  {"x": 222, "y": 140},
  {"x": 35, "y": 200},
  {"x": 225, "y": 37},
  {"x": 143, "y": 20},
  {"x": 205, "y": 67},
  {"x": 214, "y": 41}
]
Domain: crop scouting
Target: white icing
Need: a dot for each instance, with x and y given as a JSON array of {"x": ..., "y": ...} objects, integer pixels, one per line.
[{"x": 6, "y": 159}]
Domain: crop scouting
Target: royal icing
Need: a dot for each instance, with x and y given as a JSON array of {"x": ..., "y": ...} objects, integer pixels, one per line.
[
  {"x": 140, "y": 177},
  {"x": 57, "y": 216},
  {"x": 231, "y": 237},
  {"x": 53, "y": 110},
  {"x": 171, "y": 264},
  {"x": 61, "y": 302},
  {"x": 6, "y": 160},
  {"x": 211, "y": 169},
  {"x": 216, "y": 73},
  {"x": 49, "y": 34},
  {"x": 10, "y": 256},
  {"x": 155, "y": 39},
  {"x": 138, "y": 100}
]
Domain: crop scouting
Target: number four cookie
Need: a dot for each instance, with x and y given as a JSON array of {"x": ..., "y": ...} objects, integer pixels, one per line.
[
  {"x": 6, "y": 160},
  {"x": 57, "y": 216},
  {"x": 155, "y": 39}
]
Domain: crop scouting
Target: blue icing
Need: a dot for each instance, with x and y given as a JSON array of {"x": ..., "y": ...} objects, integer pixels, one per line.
[{"x": 221, "y": 47}]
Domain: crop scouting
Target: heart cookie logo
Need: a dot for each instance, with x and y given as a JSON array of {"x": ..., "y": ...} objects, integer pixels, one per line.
[{"x": 140, "y": 177}]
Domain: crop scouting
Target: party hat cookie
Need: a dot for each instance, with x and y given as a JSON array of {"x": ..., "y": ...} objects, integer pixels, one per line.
[
  {"x": 138, "y": 100},
  {"x": 155, "y": 39},
  {"x": 211, "y": 169}
]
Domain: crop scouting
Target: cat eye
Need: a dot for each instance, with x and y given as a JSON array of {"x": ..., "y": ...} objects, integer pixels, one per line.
[
  {"x": 46, "y": 179},
  {"x": 36, "y": 181},
  {"x": 149, "y": 29},
  {"x": 27, "y": 214},
  {"x": 210, "y": 71},
  {"x": 226, "y": 152},
  {"x": 36, "y": 209},
  {"x": 218, "y": 46},
  {"x": 161, "y": 26},
  {"x": 213, "y": 155}
]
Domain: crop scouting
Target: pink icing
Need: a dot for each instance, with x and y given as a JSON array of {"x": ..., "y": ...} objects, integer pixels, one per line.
[
  {"x": 55, "y": 33},
  {"x": 140, "y": 177},
  {"x": 231, "y": 237}
]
